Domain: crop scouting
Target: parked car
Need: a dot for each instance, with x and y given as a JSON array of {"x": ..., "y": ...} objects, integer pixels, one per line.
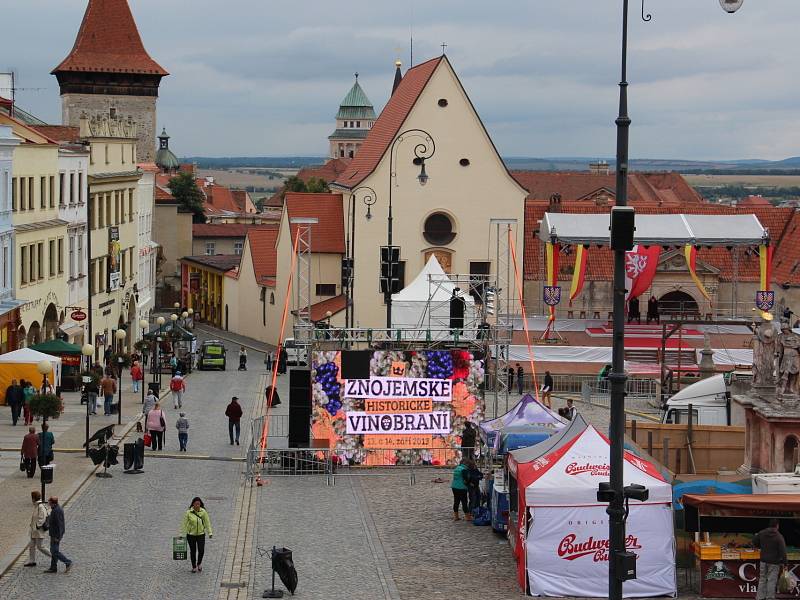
[
  {"x": 212, "y": 355},
  {"x": 295, "y": 355}
]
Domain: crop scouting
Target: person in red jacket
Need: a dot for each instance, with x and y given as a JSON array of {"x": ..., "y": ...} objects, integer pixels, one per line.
[
  {"x": 137, "y": 375},
  {"x": 234, "y": 414}
]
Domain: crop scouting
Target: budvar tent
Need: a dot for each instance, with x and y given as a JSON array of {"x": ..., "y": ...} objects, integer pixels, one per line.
[
  {"x": 22, "y": 364},
  {"x": 564, "y": 529},
  {"x": 425, "y": 304}
]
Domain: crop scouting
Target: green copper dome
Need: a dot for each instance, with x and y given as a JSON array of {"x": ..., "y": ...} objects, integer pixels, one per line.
[
  {"x": 165, "y": 159},
  {"x": 356, "y": 105}
]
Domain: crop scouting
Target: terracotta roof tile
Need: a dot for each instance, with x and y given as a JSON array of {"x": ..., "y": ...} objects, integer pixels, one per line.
[
  {"x": 264, "y": 254},
  {"x": 319, "y": 311},
  {"x": 109, "y": 42},
  {"x": 220, "y": 262},
  {"x": 388, "y": 123},
  {"x": 60, "y": 133},
  {"x": 328, "y": 172},
  {"x": 163, "y": 194},
  {"x": 327, "y": 235},
  {"x": 243, "y": 201},
  {"x": 755, "y": 201},
  {"x": 216, "y": 230}
]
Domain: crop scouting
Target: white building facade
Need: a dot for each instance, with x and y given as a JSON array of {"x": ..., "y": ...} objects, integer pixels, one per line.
[{"x": 147, "y": 248}]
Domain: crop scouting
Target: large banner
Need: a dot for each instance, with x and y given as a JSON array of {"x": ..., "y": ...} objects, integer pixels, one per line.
[
  {"x": 114, "y": 259},
  {"x": 394, "y": 407},
  {"x": 568, "y": 550}
]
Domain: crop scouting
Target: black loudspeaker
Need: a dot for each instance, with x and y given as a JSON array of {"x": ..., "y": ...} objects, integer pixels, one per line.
[
  {"x": 355, "y": 364},
  {"x": 457, "y": 306},
  {"x": 622, "y": 228},
  {"x": 299, "y": 408}
]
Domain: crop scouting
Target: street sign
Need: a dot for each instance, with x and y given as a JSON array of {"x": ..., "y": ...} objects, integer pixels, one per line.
[{"x": 77, "y": 315}]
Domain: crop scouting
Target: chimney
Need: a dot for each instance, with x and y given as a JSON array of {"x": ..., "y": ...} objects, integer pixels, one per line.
[
  {"x": 555, "y": 203},
  {"x": 598, "y": 168}
]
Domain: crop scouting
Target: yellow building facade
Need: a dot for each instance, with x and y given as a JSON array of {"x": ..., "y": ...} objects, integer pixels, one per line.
[
  {"x": 112, "y": 224},
  {"x": 203, "y": 287},
  {"x": 40, "y": 236}
]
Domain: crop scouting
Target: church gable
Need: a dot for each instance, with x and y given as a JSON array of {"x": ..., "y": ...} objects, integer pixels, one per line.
[{"x": 674, "y": 261}]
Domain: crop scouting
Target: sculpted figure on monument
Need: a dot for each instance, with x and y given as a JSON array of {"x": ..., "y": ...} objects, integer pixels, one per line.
[
  {"x": 764, "y": 343},
  {"x": 788, "y": 360}
]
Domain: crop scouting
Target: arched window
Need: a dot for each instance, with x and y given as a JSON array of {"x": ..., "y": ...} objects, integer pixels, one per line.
[{"x": 272, "y": 297}]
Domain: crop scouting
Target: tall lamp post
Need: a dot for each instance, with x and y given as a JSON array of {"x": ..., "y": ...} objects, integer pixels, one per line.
[
  {"x": 423, "y": 150},
  {"x": 190, "y": 310},
  {"x": 621, "y": 564},
  {"x": 156, "y": 369},
  {"x": 369, "y": 199},
  {"x": 143, "y": 324},
  {"x": 120, "y": 336},
  {"x": 88, "y": 351}
]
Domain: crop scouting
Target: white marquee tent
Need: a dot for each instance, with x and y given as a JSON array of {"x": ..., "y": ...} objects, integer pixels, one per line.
[
  {"x": 425, "y": 304},
  {"x": 566, "y": 537}
]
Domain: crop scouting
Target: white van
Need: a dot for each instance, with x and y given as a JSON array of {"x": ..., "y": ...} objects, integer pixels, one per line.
[
  {"x": 710, "y": 400},
  {"x": 295, "y": 355}
]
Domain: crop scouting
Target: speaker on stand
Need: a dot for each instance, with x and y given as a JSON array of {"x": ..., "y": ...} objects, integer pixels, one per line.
[{"x": 299, "y": 408}]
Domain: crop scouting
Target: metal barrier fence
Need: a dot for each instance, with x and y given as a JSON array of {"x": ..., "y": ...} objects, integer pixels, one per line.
[
  {"x": 369, "y": 462},
  {"x": 597, "y": 393}
]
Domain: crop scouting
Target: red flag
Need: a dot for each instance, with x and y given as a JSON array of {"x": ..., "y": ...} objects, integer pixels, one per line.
[{"x": 640, "y": 269}]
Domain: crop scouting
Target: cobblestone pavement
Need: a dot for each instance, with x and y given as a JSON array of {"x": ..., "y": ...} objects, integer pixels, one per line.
[{"x": 119, "y": 530}]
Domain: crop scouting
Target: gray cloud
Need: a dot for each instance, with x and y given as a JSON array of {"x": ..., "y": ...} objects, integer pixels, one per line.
[{"x": 265, "y": 78}]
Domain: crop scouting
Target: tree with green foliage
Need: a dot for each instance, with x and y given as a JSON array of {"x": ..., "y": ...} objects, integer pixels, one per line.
[
  {"x": 314, "y": 185},
  {"x": 184, "y": 189}
]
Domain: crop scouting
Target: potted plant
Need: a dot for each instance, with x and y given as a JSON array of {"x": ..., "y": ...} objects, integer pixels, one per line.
[
  {"x": 125, "y": 362},
  {"x": 47, "y": 406}
]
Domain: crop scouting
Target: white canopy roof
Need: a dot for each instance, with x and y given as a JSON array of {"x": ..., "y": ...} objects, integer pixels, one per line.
[
  {"x": 665, "y": 229},
  {"x": 28, "y": 356},
  {"x": 570, "y": 475},
  {"x": 432, "y": 283}
]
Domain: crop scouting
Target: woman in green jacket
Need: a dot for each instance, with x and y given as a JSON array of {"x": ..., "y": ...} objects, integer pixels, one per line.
[
  {"x": 459, "y": 487},
  {"x": 194, "y": 526}
]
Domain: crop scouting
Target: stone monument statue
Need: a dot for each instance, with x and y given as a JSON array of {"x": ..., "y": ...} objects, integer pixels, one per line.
[
  {"x": 788, "y": 361},
  {"x": 764, "y": 348}
]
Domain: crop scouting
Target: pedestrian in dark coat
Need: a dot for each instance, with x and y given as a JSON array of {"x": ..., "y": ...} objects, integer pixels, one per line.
[
  {"x": 268, "y": 361},
  {"x": 15, "y": 398},
  {"x": 56, "y": 530},
  {"x": 234, "y": 413},
  {"x": 30, "y": 451},
  {"x": 520, "y": 378},
  {"x": 468, "y": 438}
]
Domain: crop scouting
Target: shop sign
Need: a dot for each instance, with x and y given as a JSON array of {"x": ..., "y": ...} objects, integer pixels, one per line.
[
  {"x": 71, "y": 360},
  {"x": 77, "y": 315},
  {"x": 735, "y": 579}
]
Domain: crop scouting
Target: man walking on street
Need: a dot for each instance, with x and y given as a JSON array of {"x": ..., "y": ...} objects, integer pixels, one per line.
[
  {"x": 234, "y": 414},
  {"x": 773, "y": 558},
  {"x": 30, "y": 451},
  {"x": 57, "y": 529},
  {"x": 15, "y": 398},
  {"x": 182, "y": 425},
  {"x": 137, "y": 376},
  {"x": 268, "y": 361},
  {"x": 108, "y": 386},
  {"x": 177, "y": 386},
  {"x": 38, "y": 518}
]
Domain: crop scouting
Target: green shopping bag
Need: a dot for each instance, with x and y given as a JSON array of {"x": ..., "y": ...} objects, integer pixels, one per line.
[{"x": 179, "y": 548}]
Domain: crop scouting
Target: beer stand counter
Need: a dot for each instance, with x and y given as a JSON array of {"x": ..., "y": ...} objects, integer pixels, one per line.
[{"x": 726, "y": 562}]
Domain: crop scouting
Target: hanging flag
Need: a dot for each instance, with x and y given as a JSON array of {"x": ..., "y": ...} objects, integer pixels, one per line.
[
  {"x": 690, "y": 252},
  {"x": 765, "y": 260},
  {"x": 578, "y": 273},
  {"x": 640, "y": 269}
]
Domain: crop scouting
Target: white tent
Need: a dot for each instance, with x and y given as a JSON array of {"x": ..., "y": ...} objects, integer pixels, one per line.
[
  {"x": 22, "y": 363},
  {"x": 424, "y": 304},
  {"x": 566, "y": 540}
]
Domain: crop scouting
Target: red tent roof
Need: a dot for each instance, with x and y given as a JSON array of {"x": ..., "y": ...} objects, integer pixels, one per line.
[{"x": 109, "y": 42}]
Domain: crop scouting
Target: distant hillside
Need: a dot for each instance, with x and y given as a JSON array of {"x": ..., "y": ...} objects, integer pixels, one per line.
[{"x": 788, "y": 166}]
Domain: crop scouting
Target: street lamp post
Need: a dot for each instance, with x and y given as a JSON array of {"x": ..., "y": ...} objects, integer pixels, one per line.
[
  {"x": 156, "y": 368},
  {"x": 143, "y": 324},
  {"x": 369, "y": 199},
  {"x": 88, "y": 351},
  {"x": 423, "y": 150},
  {"x": 190, "y": 310},
  {"x": 120, "y": 335},
  {"x": 614, "y": 491},
  {"x": 44, "y": 367}
]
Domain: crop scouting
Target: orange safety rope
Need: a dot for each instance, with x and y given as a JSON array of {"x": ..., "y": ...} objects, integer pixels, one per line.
[
  {"x": 265, "y": 429},
  {"x": 518, "y": 283}
]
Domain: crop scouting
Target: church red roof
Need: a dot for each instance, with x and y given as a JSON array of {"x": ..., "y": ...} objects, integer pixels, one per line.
[
  {"x": 388, "y": 124},
  {"x": 109, "y": 42}
]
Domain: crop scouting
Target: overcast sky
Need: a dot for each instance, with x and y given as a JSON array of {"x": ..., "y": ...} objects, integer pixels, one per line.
[{"x": 265, "y": 77}]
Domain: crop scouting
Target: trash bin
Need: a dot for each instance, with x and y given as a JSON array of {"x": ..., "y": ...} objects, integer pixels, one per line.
[
  {"x": 47, "y": 475},
  {"x": 127, "y": 456},
  {"x": 283, "y": 565}
]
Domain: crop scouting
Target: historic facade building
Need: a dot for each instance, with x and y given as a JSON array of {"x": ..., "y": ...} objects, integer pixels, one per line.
[
  {"x": 9, "y": 305},
  {"x": 108, "y": 71},
  {"x": 113, "y": 226},
  {"x": 353, "y": 122}
]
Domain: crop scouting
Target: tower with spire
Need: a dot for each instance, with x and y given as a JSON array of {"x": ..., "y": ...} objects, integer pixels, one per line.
[
  {"x": 108, "y": 72},
  {"x": 353, "y": 122}
]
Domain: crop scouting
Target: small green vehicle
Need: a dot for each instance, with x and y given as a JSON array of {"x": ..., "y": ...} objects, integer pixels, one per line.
[{"x": 212, "y": 355}]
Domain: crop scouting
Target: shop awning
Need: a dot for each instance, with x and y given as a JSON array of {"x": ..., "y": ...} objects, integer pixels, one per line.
[
  {"x": 742, "y": 504},
  {"x": 663, "y": 230},
  {"x": 57, "y": 347}
]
